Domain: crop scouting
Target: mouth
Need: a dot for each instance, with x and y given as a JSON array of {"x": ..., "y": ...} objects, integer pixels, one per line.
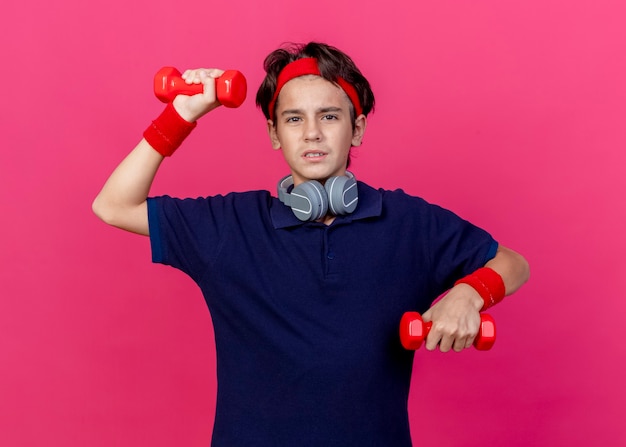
[{"x": 314, "y": 154}]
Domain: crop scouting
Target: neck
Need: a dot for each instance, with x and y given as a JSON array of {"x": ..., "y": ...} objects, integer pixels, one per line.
[{"x": 327, "y": 219}]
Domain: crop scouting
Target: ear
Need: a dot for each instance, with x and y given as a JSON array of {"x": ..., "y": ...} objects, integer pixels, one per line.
[
  {"x": 271, "y": 130},
  {"x": 359, "y": 130}
]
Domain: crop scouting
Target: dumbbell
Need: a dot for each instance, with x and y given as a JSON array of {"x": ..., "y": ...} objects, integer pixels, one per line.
[
  {"x": 413, "y": 331},
  {"x": 231, "y": 87}
]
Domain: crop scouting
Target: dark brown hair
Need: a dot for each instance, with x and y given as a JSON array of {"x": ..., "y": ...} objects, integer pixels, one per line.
[{"x": 332, "y": 63}]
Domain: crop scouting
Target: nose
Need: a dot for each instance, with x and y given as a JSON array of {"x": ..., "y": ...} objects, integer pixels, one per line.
[{"x": 312, "y": 130}]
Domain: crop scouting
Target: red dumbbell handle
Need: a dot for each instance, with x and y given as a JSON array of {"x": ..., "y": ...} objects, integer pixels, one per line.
[
  {"x": 231, "y": 87},
  {"x": 413, "y": 331}
]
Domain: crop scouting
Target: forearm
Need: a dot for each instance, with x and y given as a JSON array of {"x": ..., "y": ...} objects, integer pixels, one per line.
[
  {"x": 122, "y": 200},
  {"x": 455, "y": 316},
  {"x": 512, "y": 267}
]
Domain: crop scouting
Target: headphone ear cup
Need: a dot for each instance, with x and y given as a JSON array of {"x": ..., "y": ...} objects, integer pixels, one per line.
[
  {"x": 342, "y": 194},
  {"x": 309, "y": 201}
]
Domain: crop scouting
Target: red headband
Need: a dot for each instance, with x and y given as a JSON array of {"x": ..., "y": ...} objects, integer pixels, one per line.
[{"x": 308, "y": 66}]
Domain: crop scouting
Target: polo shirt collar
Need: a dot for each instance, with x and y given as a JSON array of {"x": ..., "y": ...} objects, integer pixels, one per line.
[{"x": 370, "y": 205}]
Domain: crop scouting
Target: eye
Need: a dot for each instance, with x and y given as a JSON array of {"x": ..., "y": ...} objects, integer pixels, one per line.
[
  {"x": 330, "y": 117},
  {"x": 292, "y": 119}
]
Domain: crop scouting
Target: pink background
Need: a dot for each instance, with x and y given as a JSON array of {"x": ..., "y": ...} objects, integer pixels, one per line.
[{"x": 512, "y": 114}]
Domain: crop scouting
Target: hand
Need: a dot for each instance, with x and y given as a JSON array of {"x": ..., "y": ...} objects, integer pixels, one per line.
[
  {"x": 191, "y": 108},
  {"x": 456, "y": 319}
]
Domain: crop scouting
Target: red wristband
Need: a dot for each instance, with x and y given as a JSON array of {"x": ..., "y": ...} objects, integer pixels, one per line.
[
  {"x": 166, "y": 133},
  {"x": 489, "y": 285}
]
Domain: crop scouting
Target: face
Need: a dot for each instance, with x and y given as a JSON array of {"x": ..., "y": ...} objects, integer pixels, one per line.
[{"x": 314, "y": 128}]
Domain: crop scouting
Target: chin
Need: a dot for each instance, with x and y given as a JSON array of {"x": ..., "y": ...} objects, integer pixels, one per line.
[{"x": 319, "y": 173}]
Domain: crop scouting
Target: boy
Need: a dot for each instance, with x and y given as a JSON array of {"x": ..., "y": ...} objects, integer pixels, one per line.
[{"x": 306, "y": 290}]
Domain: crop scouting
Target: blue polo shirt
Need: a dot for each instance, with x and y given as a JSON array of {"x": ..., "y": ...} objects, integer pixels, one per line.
[{"x": 306, "y": 315}]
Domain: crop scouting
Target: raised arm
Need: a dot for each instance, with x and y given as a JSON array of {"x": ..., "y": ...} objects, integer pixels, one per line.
[{"x": 122, "y": 200}]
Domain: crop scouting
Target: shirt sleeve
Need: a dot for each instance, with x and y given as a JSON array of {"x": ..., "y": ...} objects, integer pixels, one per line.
[
  {"x": 185, "y": 233},
  {"x": 457, "y": 247}
]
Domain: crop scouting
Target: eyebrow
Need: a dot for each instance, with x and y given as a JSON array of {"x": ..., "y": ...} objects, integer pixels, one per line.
[{"x": 321, "y": 110}]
